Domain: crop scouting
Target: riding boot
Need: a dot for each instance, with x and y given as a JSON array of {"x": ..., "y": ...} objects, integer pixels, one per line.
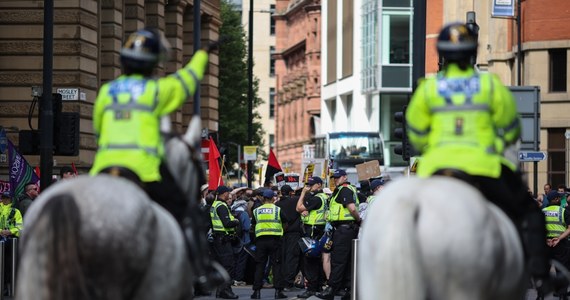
[{"x": 209, "y": 273}]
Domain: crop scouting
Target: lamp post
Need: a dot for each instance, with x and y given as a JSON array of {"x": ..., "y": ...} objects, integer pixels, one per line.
[{"x": 250, "y": 92}]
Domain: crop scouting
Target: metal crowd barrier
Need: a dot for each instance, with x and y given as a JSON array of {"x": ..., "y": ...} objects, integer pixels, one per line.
[
  {"x": 353, "y": 284},
  {"x": 2, "y": 247},
  {"x": 12, "y": 274}
]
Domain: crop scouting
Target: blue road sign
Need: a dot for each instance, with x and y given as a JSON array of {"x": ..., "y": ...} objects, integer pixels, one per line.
[
  {"x": 3, "y": 141},
  {"x": 525, "y": 156}
]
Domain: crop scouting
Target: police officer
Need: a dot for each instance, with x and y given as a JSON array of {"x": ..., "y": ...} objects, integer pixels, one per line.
[
  {"x": 267, "y": 224},
  {"x": 557, "y": 228},
  {"x": 11, "y": 223},
  {"x": 375, "y": 186},
  {"x": 462, "y": 121},
  {"x": 223, "y": 233},
  {"x": 343, "y": 215},
  {"x": 312, "y": 204},
  {"x": 126, "y": 121}
]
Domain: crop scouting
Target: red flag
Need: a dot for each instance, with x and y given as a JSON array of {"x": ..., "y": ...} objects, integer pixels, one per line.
[
  {"x": 215, "y": 177},
  {"x": 74, "y": 168},
  {"x": 272, "y": 167}
]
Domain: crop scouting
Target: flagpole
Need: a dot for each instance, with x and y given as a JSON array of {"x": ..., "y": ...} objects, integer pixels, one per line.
[{"x": 221, "y": 169}]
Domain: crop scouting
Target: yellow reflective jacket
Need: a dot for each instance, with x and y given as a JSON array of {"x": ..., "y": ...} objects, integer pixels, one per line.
[
  {"x": 268, "y": 220},
  {"x": 11, "y": 219},
  {"x": 337, "y": 212},
  {"x": 217, "y": 224},
  {"x": 127, "y": 113},
  {"x": 555, "y": 223},
  {"x": 317, "y": 216},
  {"x": 463, "y": 120}
]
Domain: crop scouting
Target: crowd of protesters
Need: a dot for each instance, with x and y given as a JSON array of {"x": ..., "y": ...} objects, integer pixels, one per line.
[{"x": 289, "y": 239}]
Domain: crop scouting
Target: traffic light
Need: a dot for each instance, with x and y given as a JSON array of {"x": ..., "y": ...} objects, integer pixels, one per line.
[
  {"x": 474, "y": 27},
  {"x": 66, "y": 134},
  {"x": 405, "y": 149}
]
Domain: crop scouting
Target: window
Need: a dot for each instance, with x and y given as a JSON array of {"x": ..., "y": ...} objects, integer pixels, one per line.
[
  {"x": 368, "y": 44},
  {"x": 347, "y": 38},
  {"x": 331, "y": 40},
  {"x": 271, "y": 103},
  {"x": 271, "y": 61},
  {"x": 556, "y": 156},
  {"x": 396, "y": 48},
  {"x": 272, "y": 141},
  {"x": 396, "y": 43},
  {"x": 396, "y": 3},
  {"x": 390, "y": 103},
  {"x": 558, "y": 60},
  {"x": 272, "y": 20}
]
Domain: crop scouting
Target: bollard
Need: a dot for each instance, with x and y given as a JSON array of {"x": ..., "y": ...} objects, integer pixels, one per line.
[
  {"x": 2, "y": 247},
  {"x": 14, "y": 252},
  {"x": 354, "y": 258}
]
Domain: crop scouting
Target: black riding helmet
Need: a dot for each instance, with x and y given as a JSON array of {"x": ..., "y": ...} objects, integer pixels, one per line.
[
  {"x": 143, "y": 50},
  {"x": 456, "y": 42}
]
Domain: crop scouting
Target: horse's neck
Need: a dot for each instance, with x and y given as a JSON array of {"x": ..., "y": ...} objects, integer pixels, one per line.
[{"x": 182, "y": 165}]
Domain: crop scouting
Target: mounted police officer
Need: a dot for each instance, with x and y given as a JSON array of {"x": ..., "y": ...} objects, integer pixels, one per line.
[
  {"x": 126, "y": 121},
  {"x": 344, "y": 217},
  {"x": 224, "y": 233},
  {"x": 267, "y": 224},
  {"x": 462, "y": 121},
  {"x": 312, "y": 205}
]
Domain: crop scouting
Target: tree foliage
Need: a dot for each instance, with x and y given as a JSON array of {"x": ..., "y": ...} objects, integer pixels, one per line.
[{"x": 233, "y": 85}]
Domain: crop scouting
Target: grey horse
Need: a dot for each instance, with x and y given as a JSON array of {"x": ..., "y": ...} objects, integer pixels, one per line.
[
  {"x": 102, "y": 237},
  {"x": 425, "y": 245}
]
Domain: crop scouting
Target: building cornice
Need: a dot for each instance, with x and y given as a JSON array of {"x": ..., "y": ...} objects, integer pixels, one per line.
[{"x": 289, "y": 51}]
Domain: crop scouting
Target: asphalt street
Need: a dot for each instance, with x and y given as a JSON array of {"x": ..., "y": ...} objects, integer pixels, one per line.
[{"x": 245, "y": 291}]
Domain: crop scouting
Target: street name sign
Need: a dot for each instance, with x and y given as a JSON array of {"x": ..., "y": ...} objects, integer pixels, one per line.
[{"x": 525, "y": 156}]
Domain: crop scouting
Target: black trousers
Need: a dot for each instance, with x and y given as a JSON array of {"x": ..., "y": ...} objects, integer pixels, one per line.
[
  {"x": 561, "y": 253},
  {"x": 341, "y": 256},
  {"x": 268, "y": 247},
  {"x": 313, "y": 266},
  {"x": 223, "y": 252},
  {"x": 291, "y": 253}
]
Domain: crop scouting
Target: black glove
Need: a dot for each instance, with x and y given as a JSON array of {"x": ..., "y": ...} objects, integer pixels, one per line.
[{"x": 215, "y": 45}]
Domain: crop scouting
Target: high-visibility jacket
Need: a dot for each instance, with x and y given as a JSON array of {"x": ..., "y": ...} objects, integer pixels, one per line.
[
  {"x": 268, "y": 220},
  {"x": 317, "y": 216},
  {"x": 371, "y": 199},
  {"x": 462, "y": 120},
  {"x": 126, "y": 117},
  {"x": 555, "y": 223},
  {"x": 217, "y": 224},
  {"x": 11, "y": 219},
  {"x": 337, "y": 212}
]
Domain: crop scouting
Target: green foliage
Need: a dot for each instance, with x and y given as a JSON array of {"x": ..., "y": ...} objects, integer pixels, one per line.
[{"x": 233, "y": 85}]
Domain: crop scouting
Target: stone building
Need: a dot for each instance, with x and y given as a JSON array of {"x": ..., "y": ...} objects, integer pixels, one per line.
[
  {"x": 298, "y": 75},
  {"x": 88, "y": 36}
]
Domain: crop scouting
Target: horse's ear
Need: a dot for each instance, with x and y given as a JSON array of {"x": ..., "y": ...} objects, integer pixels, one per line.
[
  {"x": 192, "y": 135},
  {"x": 165, "y": 124}
]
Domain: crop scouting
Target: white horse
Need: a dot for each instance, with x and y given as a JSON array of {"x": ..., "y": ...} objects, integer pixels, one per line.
[
  {"x": 438, "y": 238},
  {"x": 102, "y": 237}
]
